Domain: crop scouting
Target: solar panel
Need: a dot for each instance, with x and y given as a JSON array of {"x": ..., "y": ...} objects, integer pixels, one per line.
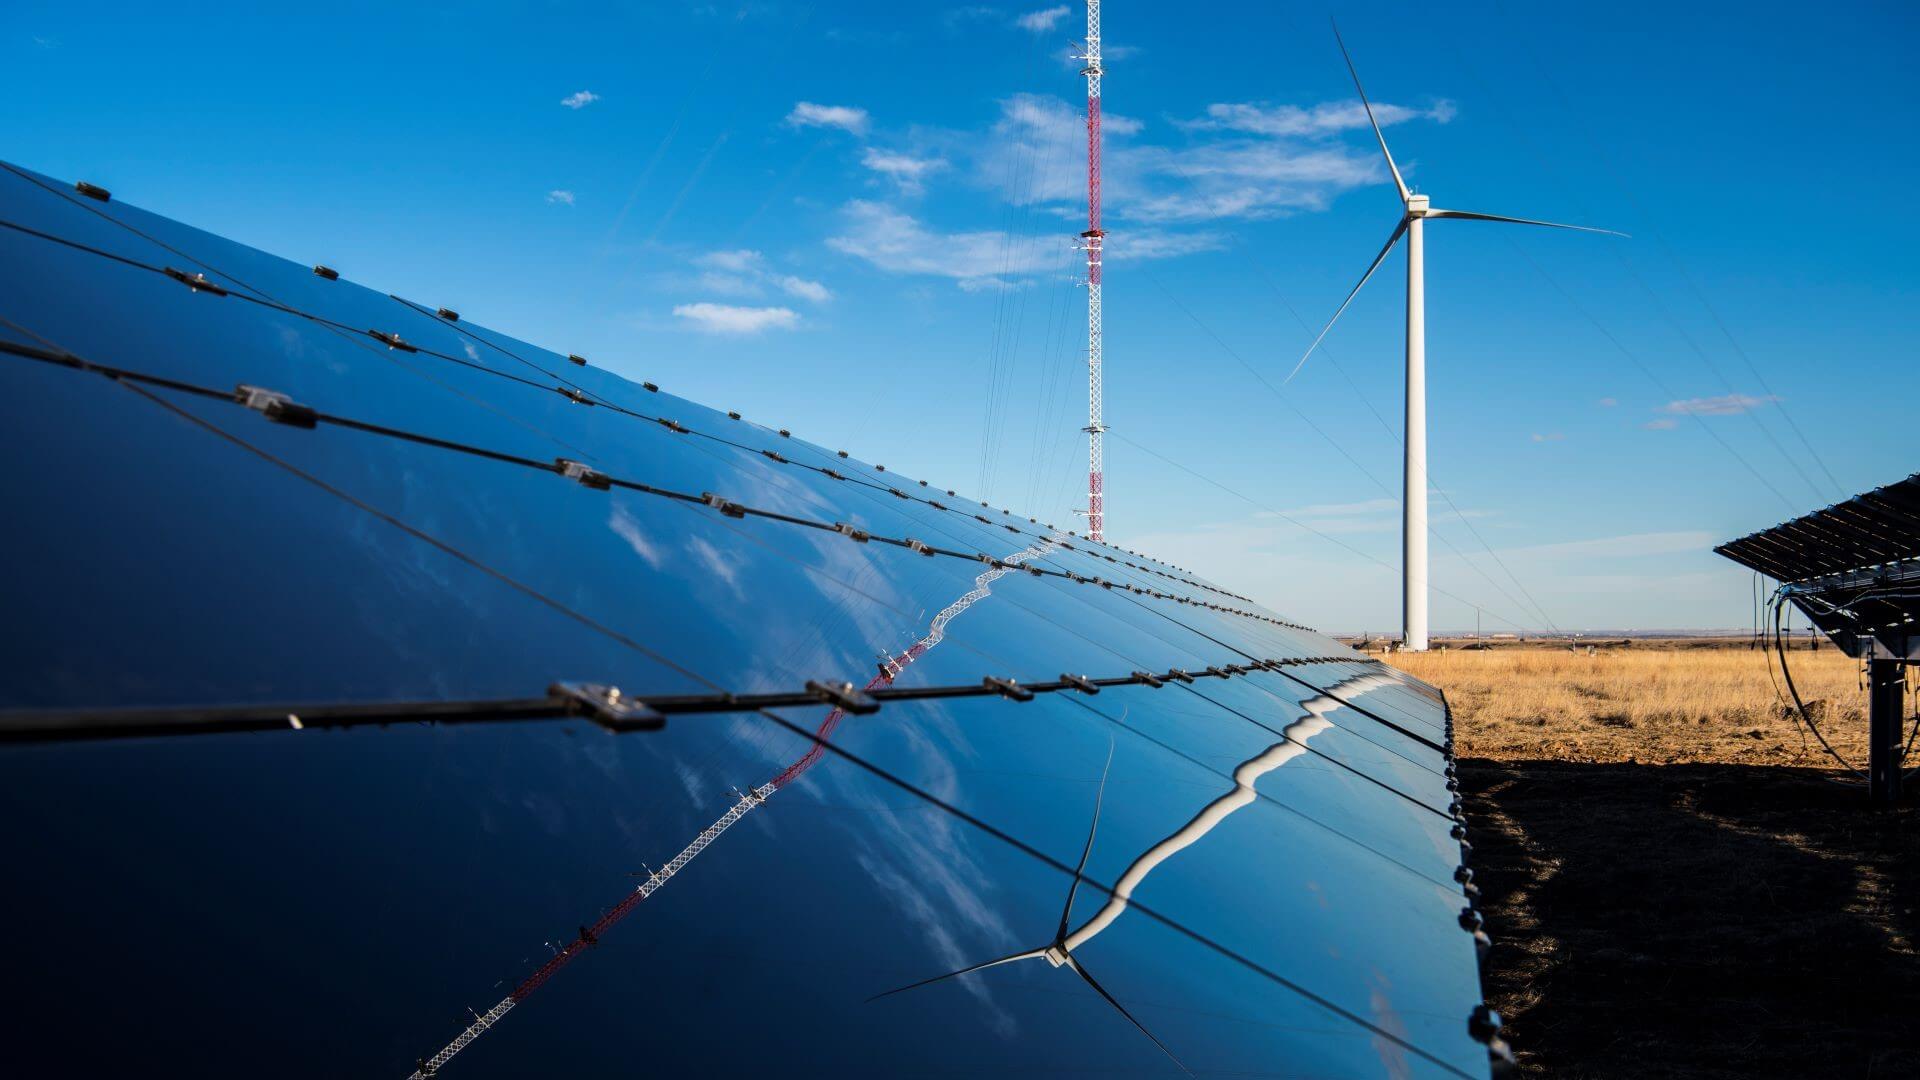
[
  {"x": 1849, "y": 567},
  {"x": 373, "y": 671},
  {"x": 1881, "y": 526}
]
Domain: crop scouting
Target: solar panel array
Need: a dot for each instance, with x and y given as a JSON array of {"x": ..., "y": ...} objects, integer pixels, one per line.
[
  {"x": 371, "y": 671},
  {"x": 1850, "y": 568},
  {"x": 1877, "y": 528}
]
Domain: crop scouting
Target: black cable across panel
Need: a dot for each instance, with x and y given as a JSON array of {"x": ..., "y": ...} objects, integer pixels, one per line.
[{"x": 606, "y": 705}]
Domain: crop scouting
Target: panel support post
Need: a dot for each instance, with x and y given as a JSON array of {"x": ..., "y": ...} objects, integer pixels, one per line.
[{"x": 1886, "y": 716}]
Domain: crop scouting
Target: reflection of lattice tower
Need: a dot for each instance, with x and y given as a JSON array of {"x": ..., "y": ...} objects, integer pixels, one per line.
[
  {"x": 744, "y": 803},
  {"x": 1095, "y": 429}
]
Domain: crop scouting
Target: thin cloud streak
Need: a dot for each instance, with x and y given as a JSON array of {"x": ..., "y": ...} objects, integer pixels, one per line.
[
  {"x": 1326, "y": 118},
  {"x": 907, "y": 172},
  {"x": 1628, "y": 546},
  {"x": 727, "y": 319},
  {"x": 899, "y": 243},
  {"x": 744, "y": 272},
  {"x": 1270, "y": 161},
  {"x": 803, "y": 288},
  {"x": 1037, "y": 22},
  {"x": 1724, "y": 405},
  {"x": 845, "y": 117}
]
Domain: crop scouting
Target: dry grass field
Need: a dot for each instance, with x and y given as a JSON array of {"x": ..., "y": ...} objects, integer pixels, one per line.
[
  {"x": 1651, "y": 705},
  {"x": 1679, "y": 885}
]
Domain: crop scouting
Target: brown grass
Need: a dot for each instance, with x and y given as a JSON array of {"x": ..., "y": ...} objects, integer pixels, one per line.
[
  {"x": 1650, "y": 706},
  {"x": 1670, "y": 894}
]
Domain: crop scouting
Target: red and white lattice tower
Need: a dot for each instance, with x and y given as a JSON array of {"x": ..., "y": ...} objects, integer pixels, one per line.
[{"x": 1095, "y": 429}]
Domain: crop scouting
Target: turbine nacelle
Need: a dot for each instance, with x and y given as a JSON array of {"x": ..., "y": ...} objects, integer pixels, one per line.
[{"x": 1416, "y": 206}]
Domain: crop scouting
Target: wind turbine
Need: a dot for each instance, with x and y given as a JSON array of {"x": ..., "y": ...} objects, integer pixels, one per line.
[{"x": 1418, "y": 210}]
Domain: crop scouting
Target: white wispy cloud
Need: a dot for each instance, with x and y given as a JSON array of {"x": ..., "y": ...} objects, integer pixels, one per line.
[
  {"x": 1253, "y": 179},
  {"x": 1326, "y": 118},
  {"x": 725, "y": 284},
  {"x": 738, "y": 261},
  {"x": 899, "y": 243},
  {"x": 845, "y": 117},
  {"x": 1033, "y": 151},
  {"x": 1151, "y": 243},
  {"x": 560, "y": 197},
  {"x": 1607, "y": 402},
  {"x": 1723, "y": 405},
  {"x": 1241, "y": 161},
  {"x": 1608, "y": 578},
  {"x": 1662, "y": 424},
  {"x": 1628, "y": 546},
  {"x": 1363, "y": 516},
  {"x": 905, "y": 170},
  {"x": 744, "y": 272},
  {"x": 803, "y": 288},
  {"x": 1551, "y": 436},
  {"x": 580, "y": 99},
  {"x": 727, "y": 319},
  {"x": 1364, "y": 506},
  {"x": 1241, "y": 175},
  {"x": 1042, "y": 20}
]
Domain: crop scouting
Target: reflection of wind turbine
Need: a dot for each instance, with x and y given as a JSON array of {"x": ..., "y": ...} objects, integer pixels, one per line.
[
  {"x": 1414, "y": 493},
  {"x": 1060, "y": 951}
]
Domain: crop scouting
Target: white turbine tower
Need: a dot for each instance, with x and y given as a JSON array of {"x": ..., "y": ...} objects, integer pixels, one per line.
[{"x": 1414, "y": 492}]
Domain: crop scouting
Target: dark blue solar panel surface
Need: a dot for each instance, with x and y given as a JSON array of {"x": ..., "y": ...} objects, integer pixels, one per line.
[{"x": 1269, "y": 879}]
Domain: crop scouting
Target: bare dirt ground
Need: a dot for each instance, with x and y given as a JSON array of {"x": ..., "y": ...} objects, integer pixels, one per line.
[{"x": 1677, "y": 885}]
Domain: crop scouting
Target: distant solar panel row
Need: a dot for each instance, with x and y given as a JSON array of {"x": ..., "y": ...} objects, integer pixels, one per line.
[{"x": 866, "y": 735}]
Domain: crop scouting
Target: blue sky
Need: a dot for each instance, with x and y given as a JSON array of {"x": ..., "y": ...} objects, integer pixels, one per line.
[{"x": 853, "y": 221}]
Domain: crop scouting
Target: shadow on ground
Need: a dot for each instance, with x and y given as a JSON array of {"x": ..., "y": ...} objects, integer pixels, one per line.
[{"x": 1697, "y": 920}]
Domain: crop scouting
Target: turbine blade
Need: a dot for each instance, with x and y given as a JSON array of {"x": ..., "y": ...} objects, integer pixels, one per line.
[
  {"x": 1364, "y": 103},
  {"x": 1031, "y": 954},
  {"x": 1375, "y": 265},
  {"x": 1468, "y": 215},
  {"x": 1122, "y": 1009},
  {"x": 1066, "y": 913}
]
